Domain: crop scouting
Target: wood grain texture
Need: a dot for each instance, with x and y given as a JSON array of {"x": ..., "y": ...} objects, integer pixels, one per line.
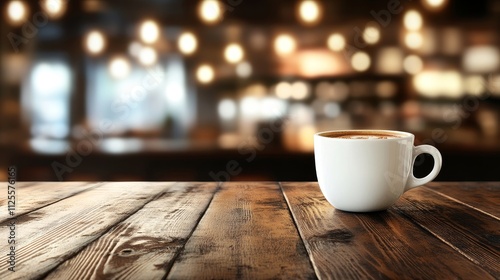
[
  {"x": 376, "y": 245},
  {"x": 50, "y": 235},
  {"x": 144, "y": 245},
  {"x": 471, "y": 233},
  {"x": 34, "y": 195},
  {"x": 483, "y": 196},
  {"x": 246, "y": 233}
]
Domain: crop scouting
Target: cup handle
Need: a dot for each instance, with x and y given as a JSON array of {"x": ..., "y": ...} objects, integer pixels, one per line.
[{"x": 414, "y": 182}]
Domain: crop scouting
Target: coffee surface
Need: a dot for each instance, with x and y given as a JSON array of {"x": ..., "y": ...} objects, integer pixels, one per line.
[{"x": 364, "y": 135}]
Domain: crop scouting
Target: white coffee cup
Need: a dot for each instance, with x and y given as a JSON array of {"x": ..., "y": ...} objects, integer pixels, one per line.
[{"x": 368, "y": 170}]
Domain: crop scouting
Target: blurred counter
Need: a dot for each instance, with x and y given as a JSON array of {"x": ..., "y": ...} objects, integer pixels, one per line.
[{"x": 161, "y": 160}]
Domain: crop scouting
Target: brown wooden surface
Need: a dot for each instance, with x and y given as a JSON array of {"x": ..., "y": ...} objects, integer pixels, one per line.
[
  {"x": 246, "y": 233},
  {"x": 249, "y": 230},
  {"x": 143, "y": 245}
]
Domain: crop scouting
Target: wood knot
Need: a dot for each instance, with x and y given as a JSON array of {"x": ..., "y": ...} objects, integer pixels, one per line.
[{"x": 126, "y": 252}]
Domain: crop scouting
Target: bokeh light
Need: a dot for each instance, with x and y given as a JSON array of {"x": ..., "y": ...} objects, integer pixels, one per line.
[
  {"x": 244, "y": 69},
  {"x": 187, "y": 43},
  {"x": 360, "y": 61},
  {"x": 148, "y": 56},
  {"x": 54, "y": 8},
  {"x": 434, "y": 5},
  {"x": 371, "y": 34},
  {"x": 149, "y": 31},
  {"x": 233, "y": 53},
  {"x": 299, "y": 90},
  {"x": 95, "y": 42},
  {"x": 413, "y": 64},
  {"x": 210, "y": 11},
  {"x": 205, "y": 73},
  {"x": 414, "y": 40},
  {"x": 17, "y": 12},
  {"x": 309, "y": 11},
  {"x": 336, "y": 42},
  {"x": 283, "y": 90},
  {"x": 227, "y": 109},
  {"x": 119, "y": 67},
  {"x": 134, "y": 48},
  {"x": 413, "y": 20},
  {"x": 284, "y": 44}
]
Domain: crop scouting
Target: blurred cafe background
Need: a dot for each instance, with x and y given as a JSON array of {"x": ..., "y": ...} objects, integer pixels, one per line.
[{"x": 235, "y": 89}]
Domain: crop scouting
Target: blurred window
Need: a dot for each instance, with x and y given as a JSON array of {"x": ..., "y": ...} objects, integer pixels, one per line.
[
  {"x": 46, "y": 96},
  {"x": 144, "y": 99}
]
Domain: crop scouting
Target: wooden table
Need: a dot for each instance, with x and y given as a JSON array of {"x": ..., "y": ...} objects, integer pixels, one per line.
[{"x": 252, "y": 230}]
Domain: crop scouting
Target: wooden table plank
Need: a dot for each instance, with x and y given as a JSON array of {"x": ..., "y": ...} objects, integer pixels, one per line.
[
  {"x": 247, "y": 232},
  {"x": 34, "y": 195},
  {"x": 50, "y": 235},
  {"x": 471, "y": 233},
  {"x": 144, "y": 245},
  {"x": 484, "y": 196},
  {"x": 373, "y": 245}
]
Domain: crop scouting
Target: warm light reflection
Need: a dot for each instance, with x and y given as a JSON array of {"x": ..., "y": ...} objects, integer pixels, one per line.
[
  {"x": 147, "y": 56},
  {"x": 371, "y": 34},
  {"x": 434, "y": 4},
  {"x": 54, "y": 8},
  {"x": 309, "y": 11},
  {"x": 336, "y": 42},
  {"x": 413, "y": 64},
  {"x": 205, "y": 73},
  {"x": 210, "y": 11},
  {"x": 95, "y": 42},
  {"x": 17, "y": 12},
  {"x": 390, "y": 60},
  {"x": 227, "y": 109},
  {"x": 414, "y": 40},
  {"x": 439, "y": 83},
  {"x": 360, "y": 61},
  {"x": 187, "y": 43},
  {"x": 299, "y": 90},
  {"x": 119, "y": 67},
  {"x": 283, "y": 90},
  {"x": 494, "y": 84},
  {"x": 481, "y": 59},
  {"x": 149, "y": 32},
  {"x": 475, "y": 85},
  {"x": 244, "y": 69},
  {"x": 413, "y": 20},
  {"x": 284, "y": 44},
  {"x": 317, "y": 63},
  {"x": 233, "y": 53}
]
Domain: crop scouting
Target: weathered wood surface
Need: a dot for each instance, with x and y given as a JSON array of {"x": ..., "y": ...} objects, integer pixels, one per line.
[
  {"x": 483, "y": 196},
  {"x": 248, "y": 233},
  {"x": 34, "y": 195},
  {"x": 471, "y": 233},
  {"x": 375, "y": 245},
  {"x": 52, "y": 234},
  {"x": 248, "y": 230},
  {"x": 144, "y": 245}
]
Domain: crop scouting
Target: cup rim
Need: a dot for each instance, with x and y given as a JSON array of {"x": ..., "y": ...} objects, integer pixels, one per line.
[{"x": 402, "y": 134}]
